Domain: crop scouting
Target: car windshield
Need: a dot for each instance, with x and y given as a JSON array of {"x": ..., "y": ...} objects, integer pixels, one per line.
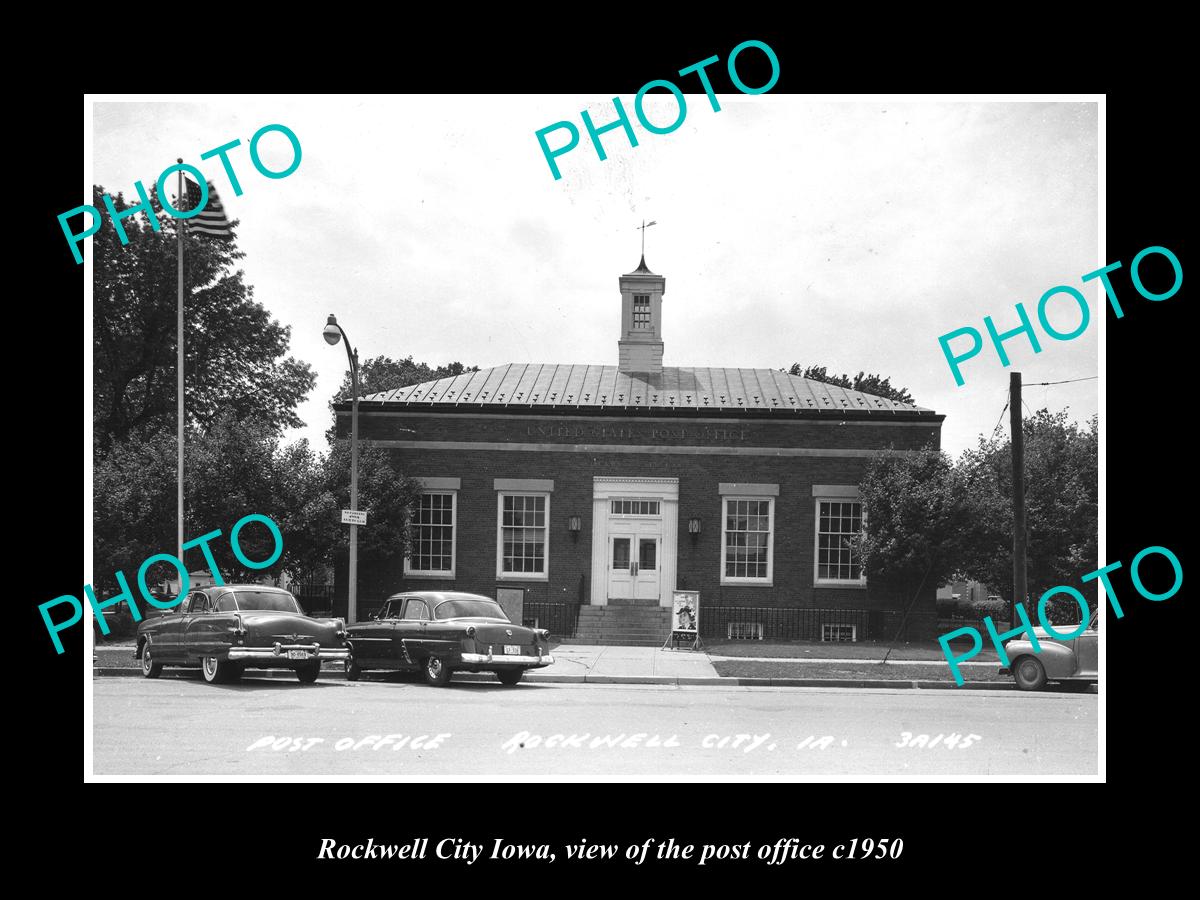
[
  {"x": 271, "y": 601},
  {"x": 483, "y": 609}
]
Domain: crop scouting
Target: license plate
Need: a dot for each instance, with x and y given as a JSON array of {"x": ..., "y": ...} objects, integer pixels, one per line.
[
  {"x": 512, "y": 649},
  {"x": 297, "y": 654}
]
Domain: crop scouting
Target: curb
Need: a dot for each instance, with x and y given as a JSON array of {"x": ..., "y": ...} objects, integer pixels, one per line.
[{"x": 673, "y": 680}]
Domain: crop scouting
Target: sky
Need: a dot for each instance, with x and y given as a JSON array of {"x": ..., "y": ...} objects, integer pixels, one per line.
[{"x": 845, "y": 234}]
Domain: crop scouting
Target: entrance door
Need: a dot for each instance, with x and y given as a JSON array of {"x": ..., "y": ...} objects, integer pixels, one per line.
[
  {"x": 635, "y": 527},
  {"x": 633, "y": 566}
]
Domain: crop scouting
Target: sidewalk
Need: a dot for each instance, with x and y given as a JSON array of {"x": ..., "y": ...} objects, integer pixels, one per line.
[
  {"x": 589, "y": 664},
  {"x": 818, "y": 651}
]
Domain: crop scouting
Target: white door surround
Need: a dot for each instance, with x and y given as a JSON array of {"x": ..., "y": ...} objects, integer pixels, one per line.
[{"x": 634, "y": 552}]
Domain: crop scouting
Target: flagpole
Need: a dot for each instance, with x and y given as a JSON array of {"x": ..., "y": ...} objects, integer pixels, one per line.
[{"x": 179, "y": 384}]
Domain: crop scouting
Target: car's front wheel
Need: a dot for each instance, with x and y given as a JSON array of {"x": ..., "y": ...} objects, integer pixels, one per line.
[
  {"x": 219, "y": 671},
  {"x": 308, "y": 672},
  {"x": 150, "y": 668},
  {"x": 1029, "y": 674},
  {"x": 510, "y": 676},
  {"x": 436, "y": 671}
]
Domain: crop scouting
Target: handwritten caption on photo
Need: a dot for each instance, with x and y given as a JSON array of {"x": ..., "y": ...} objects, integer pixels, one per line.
[
  {"x": 126, "y": 595},
  {"x": 780, "y": 852}
]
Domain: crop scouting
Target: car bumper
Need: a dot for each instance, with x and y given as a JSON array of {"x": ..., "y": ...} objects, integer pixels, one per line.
[
  {"x": 488, "y": 659},
  {"x": 280, "y": 652}
]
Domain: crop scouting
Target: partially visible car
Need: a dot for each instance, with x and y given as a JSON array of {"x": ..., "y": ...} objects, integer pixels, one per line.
[
  {"x": 229, "y": 628},
  {"x": 440, "y": 632},
  {"x": 1072, "y": 662}
]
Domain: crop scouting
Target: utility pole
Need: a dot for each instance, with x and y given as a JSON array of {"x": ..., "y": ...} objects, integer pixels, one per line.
[{"x": 1020, "y": 587}]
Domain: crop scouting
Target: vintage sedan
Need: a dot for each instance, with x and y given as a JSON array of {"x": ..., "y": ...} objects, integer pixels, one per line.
[
  {"x": 229, "y": 628},
  {"x": 438, "y": 633},
  {"x": 1072, "y": 662}
]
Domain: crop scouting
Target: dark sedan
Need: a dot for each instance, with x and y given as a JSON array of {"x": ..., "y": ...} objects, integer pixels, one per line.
[
  {"x": 438, "y": 633},
  {"x": 227, "y": 629}
]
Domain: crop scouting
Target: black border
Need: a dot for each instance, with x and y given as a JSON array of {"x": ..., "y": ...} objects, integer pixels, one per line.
[{"x": 944, "y": 826}]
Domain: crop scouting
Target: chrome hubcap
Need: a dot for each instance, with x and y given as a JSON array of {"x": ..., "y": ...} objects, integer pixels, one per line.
[
  {"x": 146, "y": 659},
  {"x": 210, "y": 666},
  {"x": 1028, "y": 671},
  {"x": 435, "y": 666}
]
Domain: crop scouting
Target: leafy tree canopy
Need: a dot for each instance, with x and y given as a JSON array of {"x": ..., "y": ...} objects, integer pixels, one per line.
[
  {"x": 914, "y": 521},
  {"x": 385, "y": 374},
  {"x": 235, "y": 353},
  {"x": 922, "y": 511},
  {"x": 868, "y": 384},
  {"x": 1061, "y": 503},
  {"x": 234, "y": 468}
]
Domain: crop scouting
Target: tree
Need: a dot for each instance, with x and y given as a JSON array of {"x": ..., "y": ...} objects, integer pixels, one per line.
[
  {"x": 235, "y": 358},
  {"x": 385, "y": 374},
  {"x": 914, "y": 519},
  {"x": 1061, "y": 504},
  {"x": 232, "y": 469},
  {"x": 313, "y": 525},
  {"x": 868, "y": 384}
]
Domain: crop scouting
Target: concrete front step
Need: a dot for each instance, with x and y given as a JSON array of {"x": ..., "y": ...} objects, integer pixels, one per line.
[
  {"x": 635, "y": 625},
  {"x": 620, "y": 611},
  {"x": 622, "y": 635}
]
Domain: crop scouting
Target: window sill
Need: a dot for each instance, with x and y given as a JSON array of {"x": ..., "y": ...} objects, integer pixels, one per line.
[
  {"x": 852, "y": 585},
  {"x": 748, "y": 582},
  {"x": 442, "y": 575},
  {"x": 522, "y": 576}
]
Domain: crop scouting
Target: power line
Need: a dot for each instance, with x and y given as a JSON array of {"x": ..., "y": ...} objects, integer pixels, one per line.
[
  {"x": 1067, "y": 381},
  {"x": 1000, "y": 419}
]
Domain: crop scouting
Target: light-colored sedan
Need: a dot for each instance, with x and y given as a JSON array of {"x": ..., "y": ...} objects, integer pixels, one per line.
[{"x": 1071, "y": 662}]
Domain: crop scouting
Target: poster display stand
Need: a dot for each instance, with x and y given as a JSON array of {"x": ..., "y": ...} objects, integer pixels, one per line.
[{"x": 685, "y": 621}]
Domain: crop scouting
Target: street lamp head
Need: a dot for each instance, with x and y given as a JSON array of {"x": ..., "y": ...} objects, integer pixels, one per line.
[{"x": 332, "y": 333}]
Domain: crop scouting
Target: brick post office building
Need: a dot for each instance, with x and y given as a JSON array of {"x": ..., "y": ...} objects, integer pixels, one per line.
[{"x": 598, "y": 490}]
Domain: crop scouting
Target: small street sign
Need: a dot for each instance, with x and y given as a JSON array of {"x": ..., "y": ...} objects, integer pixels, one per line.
[{"x": 354, "y": 517}]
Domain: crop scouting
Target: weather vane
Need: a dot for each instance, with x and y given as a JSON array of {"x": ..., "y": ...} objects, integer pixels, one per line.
[{"x": 643, "y": 228}]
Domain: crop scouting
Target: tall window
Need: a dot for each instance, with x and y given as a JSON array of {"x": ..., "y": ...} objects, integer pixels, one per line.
[
  {"x": 838, "y": 523},
  {"x": 747, "y": 540},
  {"x": 523, "y": 536},
  {"x": 641, "y": 310},
  {"x": 432, "y": 551}
]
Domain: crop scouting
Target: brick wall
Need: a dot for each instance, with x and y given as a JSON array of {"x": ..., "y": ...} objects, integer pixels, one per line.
[{"x": 699, "y": 474}]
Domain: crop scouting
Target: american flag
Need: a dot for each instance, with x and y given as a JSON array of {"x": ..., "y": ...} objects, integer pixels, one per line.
[{"x": 212, "y": 219}]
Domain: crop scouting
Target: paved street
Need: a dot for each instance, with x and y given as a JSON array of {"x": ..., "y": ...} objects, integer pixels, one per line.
[{"x": 182, "y": 726}]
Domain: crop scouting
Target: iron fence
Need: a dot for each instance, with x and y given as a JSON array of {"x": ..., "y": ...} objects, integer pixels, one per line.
[
  {"x": 316, "y": 598},
  {"x": 556, "y": 616},
  {"x": 782, "y": 623}
]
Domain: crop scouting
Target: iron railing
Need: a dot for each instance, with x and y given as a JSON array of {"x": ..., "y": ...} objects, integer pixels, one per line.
[
  {"x": 316, "y": 598},
  {"x": 780, "y": 623},
  {"x": 561, "y": 619}
]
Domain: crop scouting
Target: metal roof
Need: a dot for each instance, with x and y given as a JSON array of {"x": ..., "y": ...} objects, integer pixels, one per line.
[{"x": 548, "y": 385}]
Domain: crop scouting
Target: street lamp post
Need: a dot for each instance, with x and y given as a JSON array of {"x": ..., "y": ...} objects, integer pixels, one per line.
[{"x": 333, "y": 333}]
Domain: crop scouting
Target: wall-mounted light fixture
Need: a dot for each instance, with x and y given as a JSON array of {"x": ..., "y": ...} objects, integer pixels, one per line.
[
  {"x": 574, "y": 523},
  {"x": 694, "y": 528}
]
